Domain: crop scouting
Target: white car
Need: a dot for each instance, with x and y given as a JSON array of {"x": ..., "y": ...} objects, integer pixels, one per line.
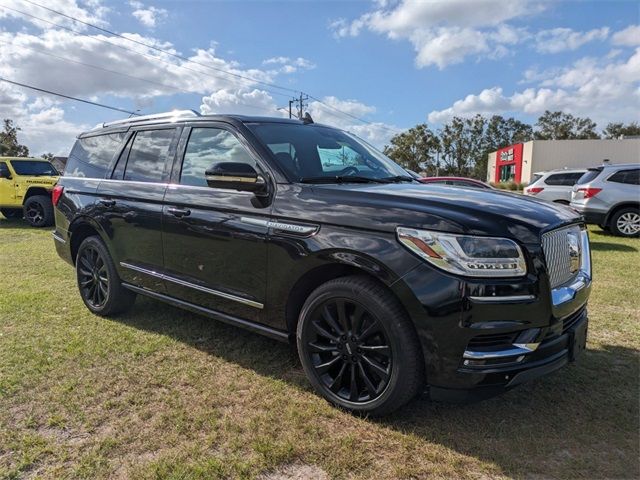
[{"x": 554, "y": 185}]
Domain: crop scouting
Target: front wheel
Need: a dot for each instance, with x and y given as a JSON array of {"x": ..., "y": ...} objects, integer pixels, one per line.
[
  {"x": 98, "y": 281},
  {"x": 11, "y": 213},
  {"x": 626, "y": 222},
  {"x": 358, "y": 347}
]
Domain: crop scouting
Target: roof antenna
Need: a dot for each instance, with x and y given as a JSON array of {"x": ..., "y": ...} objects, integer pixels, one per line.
[{"x": 307, "y": 119}]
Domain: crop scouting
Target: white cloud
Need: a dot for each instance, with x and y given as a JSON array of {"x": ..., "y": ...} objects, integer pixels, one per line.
[
  {"x": 248, "y": 101},
  {"x": 629, "y": 37},
  {"x": 290, "y": 65},
  {"x": 150, "y": 16},
  {"x": 604, "y": 89},
  {"x": 91, "y": 11},
  {"x": 444, "y": 33},
  {"x": 562, "y": 39}
]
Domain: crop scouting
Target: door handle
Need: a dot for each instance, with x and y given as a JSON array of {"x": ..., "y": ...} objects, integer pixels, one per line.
[
  {"x": 108, "y": 203},
  {"x": 179, "y": 212}
]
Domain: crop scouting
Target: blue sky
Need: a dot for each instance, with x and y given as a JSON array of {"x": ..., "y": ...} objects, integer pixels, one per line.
[{"x": 392, "y": 63}]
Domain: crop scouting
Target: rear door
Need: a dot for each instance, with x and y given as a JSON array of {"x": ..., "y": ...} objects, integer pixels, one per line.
[
  {"x": 130, "y": 204},
  {"x": 621, "y": 186},
  {"x": 215, "y": 240}
]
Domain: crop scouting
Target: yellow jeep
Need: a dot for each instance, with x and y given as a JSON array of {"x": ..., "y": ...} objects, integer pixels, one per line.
[{"x": 25, "y": 189}]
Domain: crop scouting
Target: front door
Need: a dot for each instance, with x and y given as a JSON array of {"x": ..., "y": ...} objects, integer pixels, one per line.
[
  {"x": 7, "y": 188},
  {"x": 215, "y": 240}
]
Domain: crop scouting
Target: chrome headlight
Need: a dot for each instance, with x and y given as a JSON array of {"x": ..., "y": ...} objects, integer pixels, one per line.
[{"x": 466, "y": 254}]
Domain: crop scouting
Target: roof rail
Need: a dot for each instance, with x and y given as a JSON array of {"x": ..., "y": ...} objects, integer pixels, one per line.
[{"x": 176, "y": 114}]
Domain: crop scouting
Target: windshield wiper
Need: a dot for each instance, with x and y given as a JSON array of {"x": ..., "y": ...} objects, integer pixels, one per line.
[
  {"x": 342, "y": 179},
  {"x": 398, "y": 178}
]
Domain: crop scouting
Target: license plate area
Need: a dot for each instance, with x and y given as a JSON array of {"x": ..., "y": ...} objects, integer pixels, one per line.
[{"x": 577, "y": 339}]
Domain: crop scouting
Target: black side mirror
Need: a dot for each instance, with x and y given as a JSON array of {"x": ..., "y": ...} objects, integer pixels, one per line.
[
  {"x": 4, "y": 172},
  {"x": 235, "y": 176}
]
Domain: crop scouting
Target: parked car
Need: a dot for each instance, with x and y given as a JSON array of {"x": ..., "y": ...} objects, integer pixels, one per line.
[
  {"x": 609, "y": 196},
  {"x": 305, "y": 233},
  {"x": 457, "y": 182},
  {"x": 554, "y": 185},
  {"x": 25, "y": 189}
]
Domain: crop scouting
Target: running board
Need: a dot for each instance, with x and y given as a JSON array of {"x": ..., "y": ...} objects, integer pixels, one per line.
[{"x": 223, "y": 317}]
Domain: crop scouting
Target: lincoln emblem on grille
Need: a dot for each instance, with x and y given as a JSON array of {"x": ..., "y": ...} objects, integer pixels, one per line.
[{"x": 574, "y": 251}]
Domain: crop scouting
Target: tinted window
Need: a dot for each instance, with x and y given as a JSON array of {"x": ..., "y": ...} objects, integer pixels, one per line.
[
  {"x": 564, "y": 179},
  {"x": 535, "y": 178},
  {"x": 630, "y": 177},
  {"x": 208, "y": 146},
  {"x": 462, "y": 183},
  {"x": 31, "y": 167},
  {"x": 91, "y": 156},
  {"x": 591, "y": 175},
  {"x": 148, "y": 155}
]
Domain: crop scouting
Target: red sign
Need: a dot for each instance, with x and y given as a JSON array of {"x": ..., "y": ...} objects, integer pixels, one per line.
[{"x": 509, "y": 163}]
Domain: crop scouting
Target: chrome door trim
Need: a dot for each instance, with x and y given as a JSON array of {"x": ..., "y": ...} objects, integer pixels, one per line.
[
  {"x": 184, "y": 283},
  {"x": 56, "y": 236}
]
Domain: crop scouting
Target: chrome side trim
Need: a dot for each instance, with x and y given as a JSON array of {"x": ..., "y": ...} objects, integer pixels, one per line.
[
  {"x": 177, "y": 281},
  {"x": 504, "y": 299},
  {"x": 286, "y": 227},
  {"x": 58, "y": 238},
  {"x": 516, "y": 350}
]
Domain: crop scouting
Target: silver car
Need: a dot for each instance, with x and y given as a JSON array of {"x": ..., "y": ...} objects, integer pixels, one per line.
[
  {"x": 609, "y": 196},
  {"x": 554, "y": 185}
]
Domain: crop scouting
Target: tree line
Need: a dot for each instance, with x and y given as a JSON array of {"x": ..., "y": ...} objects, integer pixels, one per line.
[{"x": 462, "y": 145}]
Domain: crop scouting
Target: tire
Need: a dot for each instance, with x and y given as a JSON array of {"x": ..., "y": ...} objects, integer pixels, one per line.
[
  {"x": 626, "y": 222},
  {"x": 11, "y": 213},
  {"x": 373, "y": 341},
  {"x": 38, "y": 211},
  {"x": 98, "y": 281}
]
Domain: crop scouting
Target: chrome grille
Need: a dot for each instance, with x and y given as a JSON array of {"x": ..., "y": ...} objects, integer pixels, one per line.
[{"x": 555, "y": 245}]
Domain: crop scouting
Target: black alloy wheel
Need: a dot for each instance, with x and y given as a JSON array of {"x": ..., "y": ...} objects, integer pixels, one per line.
[
  {"x": 34, "y": 213},
  {"x": 350, "y": 350},
  {"x": 93, "y": 277},
  {"x": 358, "y": 347}
]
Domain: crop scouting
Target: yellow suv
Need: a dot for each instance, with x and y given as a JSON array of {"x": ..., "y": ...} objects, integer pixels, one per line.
[{"x": 25, "y": 189}]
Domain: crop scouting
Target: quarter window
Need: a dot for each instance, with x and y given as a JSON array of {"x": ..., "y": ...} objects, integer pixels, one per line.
[
  {"x": 90, "y": 157},
  {"x": 630, "y": 177},
  {"x": 148, "y": 155},
  {"x": 208, "y": 146}
]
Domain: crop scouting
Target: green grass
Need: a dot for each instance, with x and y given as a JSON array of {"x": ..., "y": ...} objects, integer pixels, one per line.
[{"x": 161, "y": 393}]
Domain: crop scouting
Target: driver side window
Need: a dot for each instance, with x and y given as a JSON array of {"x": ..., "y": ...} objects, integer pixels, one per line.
[{"x": 207, "y": 146}]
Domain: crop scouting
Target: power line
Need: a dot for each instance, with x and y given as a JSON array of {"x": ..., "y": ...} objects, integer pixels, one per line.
[
  {"x": 68, "y": 96},
  {"x": 153, "y": 47},
  {"x": 153, "y": 82},
  {"x": 239, "y": 77}
]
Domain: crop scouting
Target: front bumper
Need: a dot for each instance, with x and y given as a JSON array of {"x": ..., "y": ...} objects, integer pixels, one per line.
[{"x": 559, "y": 347}]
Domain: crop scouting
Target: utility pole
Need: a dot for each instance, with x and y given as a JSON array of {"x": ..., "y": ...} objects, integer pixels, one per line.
[
  {"x": 300, "y": 101},
  {"x": 291, "y": 102}
]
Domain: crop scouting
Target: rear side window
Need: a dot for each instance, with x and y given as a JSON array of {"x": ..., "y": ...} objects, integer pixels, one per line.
[
  {"x": 630, "y": 177},
  {"x": 148, "y": 155},
  {"x": 590, "y": 176},
  {"x": 208, "y": 146},
  {"x": 563, "y": 179},
  {"x": 535, "y": 177},
  {"x": 91, "y": 156}
]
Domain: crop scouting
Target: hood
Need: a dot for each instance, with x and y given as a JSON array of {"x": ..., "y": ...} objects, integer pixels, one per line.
[{"x": 442, "y": 208}]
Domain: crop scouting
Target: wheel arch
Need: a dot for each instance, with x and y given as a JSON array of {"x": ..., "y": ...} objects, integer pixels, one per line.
[
  {"x": 616, "y": 208},
  {"x": 80, "y": 229},
  {"x": 32, "y": 191}
]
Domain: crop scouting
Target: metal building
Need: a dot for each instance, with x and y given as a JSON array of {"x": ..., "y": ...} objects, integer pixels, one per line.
[{"x": 520, "y": 161}]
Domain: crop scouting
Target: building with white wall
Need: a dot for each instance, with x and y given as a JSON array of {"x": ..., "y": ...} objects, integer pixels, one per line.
[{"x": 520, "y": 161}]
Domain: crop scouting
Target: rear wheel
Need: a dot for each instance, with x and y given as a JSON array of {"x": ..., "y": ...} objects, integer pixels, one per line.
[
  {"x": 626, "y": 222},
  {"x": 358, "y": 348},
  {"x": 11, "y": 212},
  {"x": 38, "y": 211},
  {"x": 98, "y": 280}
]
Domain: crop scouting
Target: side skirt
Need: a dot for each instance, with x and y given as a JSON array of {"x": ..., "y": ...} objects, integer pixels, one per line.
[{"x": 223, "y": 317}]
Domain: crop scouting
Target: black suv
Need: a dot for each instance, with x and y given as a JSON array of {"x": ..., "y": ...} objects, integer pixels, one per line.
[{"x": 306, "y": 233}]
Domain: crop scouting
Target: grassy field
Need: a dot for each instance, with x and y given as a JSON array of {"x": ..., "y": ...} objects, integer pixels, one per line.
[{"x": 160, "y": 393}]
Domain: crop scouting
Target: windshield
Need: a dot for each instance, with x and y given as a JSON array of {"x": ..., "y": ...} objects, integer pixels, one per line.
[
  {"x": 33, "y": 168},
  {"x": 310, "y": 153}
]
